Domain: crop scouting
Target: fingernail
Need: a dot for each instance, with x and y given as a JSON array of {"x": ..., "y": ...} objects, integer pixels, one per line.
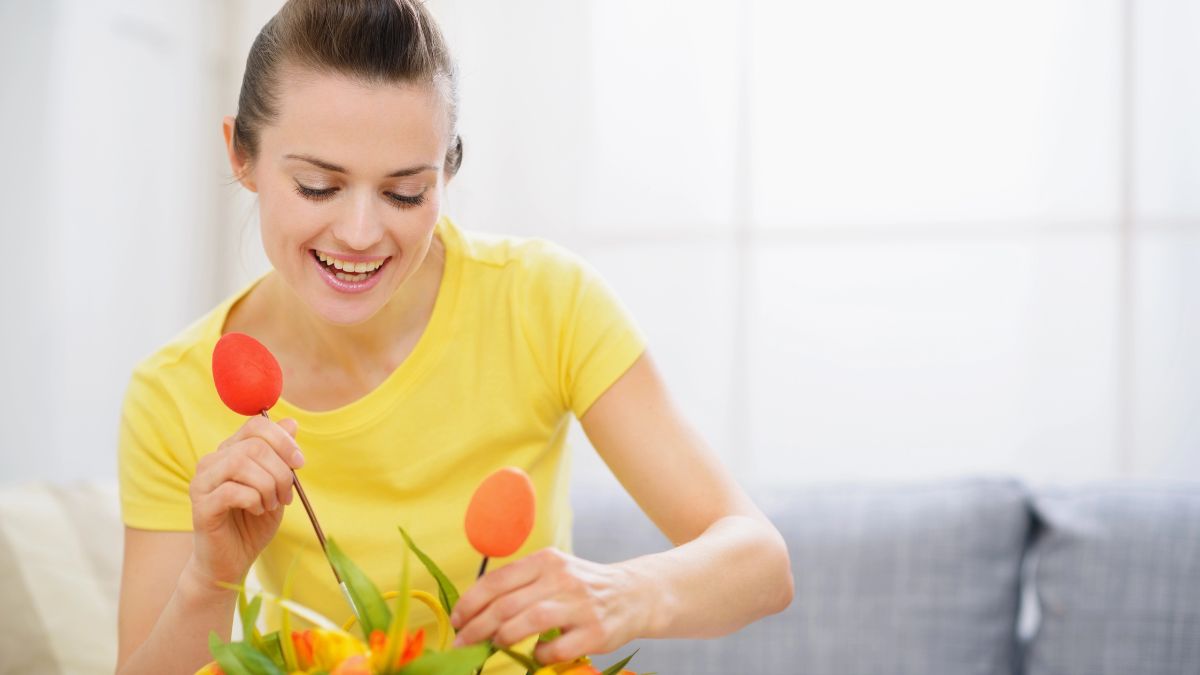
[
  {"x": 297, "y": 459},
  {"x": 458, "y": 642}
]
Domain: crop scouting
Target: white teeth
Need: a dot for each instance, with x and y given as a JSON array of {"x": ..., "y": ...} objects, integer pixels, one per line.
[
  {"x": 347, "y": 266},
  {"x": 351, "y": 277}
]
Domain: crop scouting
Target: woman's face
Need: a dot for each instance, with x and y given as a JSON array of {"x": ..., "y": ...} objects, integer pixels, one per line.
[{"x": 349, "y": 176}]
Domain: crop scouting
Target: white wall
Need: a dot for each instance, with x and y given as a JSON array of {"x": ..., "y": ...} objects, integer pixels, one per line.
[
  {"x": 109, "y": 214},
  {"x": 867, "y": 239}
]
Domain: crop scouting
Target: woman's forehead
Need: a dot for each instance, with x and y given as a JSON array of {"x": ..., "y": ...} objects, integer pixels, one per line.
[{"x": 328, "y": 113}]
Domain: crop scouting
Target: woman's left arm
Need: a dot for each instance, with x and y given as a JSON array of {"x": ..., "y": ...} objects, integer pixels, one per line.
[{"x": 729, "y": 566}]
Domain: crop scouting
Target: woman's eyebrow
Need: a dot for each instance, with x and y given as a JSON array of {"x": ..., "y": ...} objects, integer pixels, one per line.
[{"x": 329, "y": 166}]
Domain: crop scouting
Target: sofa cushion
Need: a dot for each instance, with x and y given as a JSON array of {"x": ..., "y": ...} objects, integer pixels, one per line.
[
  {"x": 1116, "y": 570},
  {"x": 60, "y": 558},
  {"x": 920, "y": 579}
]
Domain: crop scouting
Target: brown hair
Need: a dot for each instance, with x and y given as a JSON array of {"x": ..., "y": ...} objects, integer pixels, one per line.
[{"x": 377, "y": 41}]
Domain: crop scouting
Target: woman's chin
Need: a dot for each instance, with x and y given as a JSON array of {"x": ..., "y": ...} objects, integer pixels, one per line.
[{"x": 346, "y": 312}]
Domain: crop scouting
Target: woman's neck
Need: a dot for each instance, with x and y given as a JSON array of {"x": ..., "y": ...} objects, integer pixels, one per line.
[{"x": 361, "y": 352}]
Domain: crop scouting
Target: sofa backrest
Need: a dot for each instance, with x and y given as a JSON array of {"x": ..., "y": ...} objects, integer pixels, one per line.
[
  {"x": 1116, "y": 570},
  {"x": 895, "y": 580}
]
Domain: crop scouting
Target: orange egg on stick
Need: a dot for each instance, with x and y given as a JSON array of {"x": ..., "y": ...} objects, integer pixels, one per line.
[
  {"x": 250, "y": 381},
  {"x": 500, "y": 515}
]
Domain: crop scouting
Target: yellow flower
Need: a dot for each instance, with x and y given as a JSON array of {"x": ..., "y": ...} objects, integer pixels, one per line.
[{"x": 318, "y": 649}]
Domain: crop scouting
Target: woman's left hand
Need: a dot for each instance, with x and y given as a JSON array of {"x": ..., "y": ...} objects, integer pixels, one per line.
[{"x": 598, "y": 607}]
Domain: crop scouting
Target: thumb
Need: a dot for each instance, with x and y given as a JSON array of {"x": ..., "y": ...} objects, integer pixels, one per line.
[{"x": 289, "y": 425}]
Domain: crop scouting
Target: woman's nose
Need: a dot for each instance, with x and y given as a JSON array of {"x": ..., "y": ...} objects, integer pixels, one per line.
[{"x": 361, "y": 227}]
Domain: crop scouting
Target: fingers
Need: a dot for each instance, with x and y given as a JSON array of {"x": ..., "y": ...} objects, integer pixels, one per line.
[
  {"x": 250, "y": 462},
  {"x": 505, "y": 580},
  {"x": 571, "y": 645},
  {"x": 278, "y": 437},
  {"x": 503, "y": 618},
  {"x": 229, "y": 496},
  {"x": 259, "y": 456},
  {"x": 534, "y": 619},
  {"x": 291, "y": 426}
]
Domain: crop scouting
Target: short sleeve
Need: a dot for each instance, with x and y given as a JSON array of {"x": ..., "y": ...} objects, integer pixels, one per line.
[
  {"x": 586, "y": 337},
  {"x": 154, "y": 457}
]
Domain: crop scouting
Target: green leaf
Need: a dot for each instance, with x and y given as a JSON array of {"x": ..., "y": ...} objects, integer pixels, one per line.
[
  {"x": 549, "y": 635},
  {"x": 372, "y": 612},
  {"x": 249, "y": 616},
  {"x": 616, "y": 667},
  {"x": 285, "y": 620},
  {"x": 272, "y": 646},
  {"x": 462, "y": 661},
  {"x": 447, "y": 593},
  {"x": 225, "y": 657},
  {"x": 254, "y": 661},
  {"x": 399, "y": 627}
]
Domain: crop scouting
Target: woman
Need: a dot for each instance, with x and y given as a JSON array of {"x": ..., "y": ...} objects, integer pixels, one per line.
[{"x": 417, "y": 358}]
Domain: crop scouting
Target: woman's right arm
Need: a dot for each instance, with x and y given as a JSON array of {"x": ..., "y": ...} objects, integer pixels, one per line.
[
  {"x": 171, "y": 593},
  {"x": 166, "y": 611}
]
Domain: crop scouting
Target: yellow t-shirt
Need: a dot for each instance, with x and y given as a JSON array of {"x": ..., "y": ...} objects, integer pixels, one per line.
[{"x": 522, "y": 334}]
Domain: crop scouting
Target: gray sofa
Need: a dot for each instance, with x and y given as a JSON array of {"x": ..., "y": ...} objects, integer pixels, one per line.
[
  {"x": 969, "y": 577},
  {"x": 943, "y": 578}
]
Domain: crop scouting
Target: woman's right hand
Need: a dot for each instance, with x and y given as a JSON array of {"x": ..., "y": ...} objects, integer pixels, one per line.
[{"x": 238, "y": 495}]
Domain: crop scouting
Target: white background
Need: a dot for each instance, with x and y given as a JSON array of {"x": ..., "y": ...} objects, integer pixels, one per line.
[{"x": 868, "y": 240}]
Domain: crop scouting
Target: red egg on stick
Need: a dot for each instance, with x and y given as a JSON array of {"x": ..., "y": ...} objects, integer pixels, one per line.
[
  {"x": 500, "y": 515},
  {"x": 250, "y": 381},
  {"x": 247, "y": 376}
]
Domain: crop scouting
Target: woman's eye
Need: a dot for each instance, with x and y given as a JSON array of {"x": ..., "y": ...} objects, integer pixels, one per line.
[
  {"x": 398, "y": 200},
  {"x": 403, "y": 201},
  {"x": 313, "y": 193}
]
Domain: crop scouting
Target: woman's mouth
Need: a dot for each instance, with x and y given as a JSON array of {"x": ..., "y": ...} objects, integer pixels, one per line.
[{"x": 345, "y": 275}]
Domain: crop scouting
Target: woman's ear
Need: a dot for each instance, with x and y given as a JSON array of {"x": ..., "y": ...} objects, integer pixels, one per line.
[
  {"x": 453, "y": 161},
  {"x": 241, "y": 168}
]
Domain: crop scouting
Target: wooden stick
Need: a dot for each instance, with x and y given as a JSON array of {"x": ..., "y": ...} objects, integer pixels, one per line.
[{"x": 312, "y": 517}]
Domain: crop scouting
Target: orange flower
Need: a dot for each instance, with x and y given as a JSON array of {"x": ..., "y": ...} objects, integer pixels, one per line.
[
  {"x": 303, "y": 641},
  {"x": 413, "y": 646}
]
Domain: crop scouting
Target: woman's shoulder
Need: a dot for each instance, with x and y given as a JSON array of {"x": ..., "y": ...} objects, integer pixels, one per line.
[{"x": 532, "y": 262}]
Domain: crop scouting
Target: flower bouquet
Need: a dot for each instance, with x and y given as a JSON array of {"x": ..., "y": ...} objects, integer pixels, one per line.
[{"x": 386, "y": 645}]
